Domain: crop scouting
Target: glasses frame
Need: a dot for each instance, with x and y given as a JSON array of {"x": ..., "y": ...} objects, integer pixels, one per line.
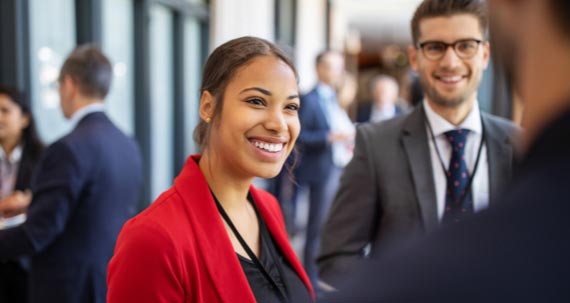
[{"x": 453, "y": 45}]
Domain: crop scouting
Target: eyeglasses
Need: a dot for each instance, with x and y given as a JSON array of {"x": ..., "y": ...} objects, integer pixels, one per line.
[{"x": 464, "y": 49}]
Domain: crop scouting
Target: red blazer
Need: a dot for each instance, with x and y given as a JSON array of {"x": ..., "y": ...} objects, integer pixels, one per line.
[{"x": 177, "y": 250}]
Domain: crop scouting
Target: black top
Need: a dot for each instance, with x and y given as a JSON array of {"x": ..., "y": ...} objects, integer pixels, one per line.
[
  {"x": 276, "y": 281},
  {"x": 263, "y": 290}
]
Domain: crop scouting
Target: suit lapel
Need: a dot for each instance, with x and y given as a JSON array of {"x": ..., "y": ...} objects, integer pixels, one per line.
[
  {"x": 416, "y": 146},
  {"x": 500, "y": 155},
  {"x": 215, "y": 247}
]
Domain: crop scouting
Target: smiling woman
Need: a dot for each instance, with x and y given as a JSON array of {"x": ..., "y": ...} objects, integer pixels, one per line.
[{"x": 213, "y": 237}]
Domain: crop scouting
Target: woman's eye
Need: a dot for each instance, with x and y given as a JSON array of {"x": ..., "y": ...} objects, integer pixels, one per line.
[
  {"x": 294, "y": 107},
  {"x": 255, "y": 101}
]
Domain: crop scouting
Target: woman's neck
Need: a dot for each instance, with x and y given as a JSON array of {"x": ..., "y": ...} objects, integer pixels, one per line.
[
  {"x": 9, "y": 145},
  {"x": 230, "y": 190}
]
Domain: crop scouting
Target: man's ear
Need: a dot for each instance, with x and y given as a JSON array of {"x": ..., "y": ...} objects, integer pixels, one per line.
[
  {"x": 70, "y": 86},
  {"x": 413, "y": 57},
  {"x": 207, "y": 106}
]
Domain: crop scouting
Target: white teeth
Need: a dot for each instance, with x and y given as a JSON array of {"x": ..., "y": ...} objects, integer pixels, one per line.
[
  {"x": 451, "y": 79},
  {"x": 269, "y": 147}
]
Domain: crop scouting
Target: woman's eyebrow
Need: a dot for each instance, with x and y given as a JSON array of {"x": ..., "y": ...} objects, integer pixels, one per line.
[{"x": 259, "y": 89}]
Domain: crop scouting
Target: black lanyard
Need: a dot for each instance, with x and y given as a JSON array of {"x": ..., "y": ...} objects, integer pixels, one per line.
[
  {"x": 446, "y": 172},
  {"x": 250, "y": 253}
]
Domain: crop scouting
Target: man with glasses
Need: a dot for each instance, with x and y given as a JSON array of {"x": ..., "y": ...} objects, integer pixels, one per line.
[{"x": 435, "y": 166}]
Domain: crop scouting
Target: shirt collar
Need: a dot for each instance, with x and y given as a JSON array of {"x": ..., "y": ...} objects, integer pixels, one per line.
[
  {"x": 325, "y": 90},
  {"x": 84, "y": 111},
  {"x": 388, "y": 108},
  {"x": 439, "y": 125},
  {"x": 15, "y": 156}
]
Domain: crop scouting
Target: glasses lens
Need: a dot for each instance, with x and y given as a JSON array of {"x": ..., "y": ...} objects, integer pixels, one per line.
[
  {"x": 434, "y": 50},
  {"x": 466, "y": 48}
]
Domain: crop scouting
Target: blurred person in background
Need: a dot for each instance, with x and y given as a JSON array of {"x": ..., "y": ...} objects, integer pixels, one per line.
[
  {"x": 86, "y": 186},
  {"x": 384, "y": 91},
  {"x": 347, "y": 91},
  {"x": 213, "y": 236},
  {"x": 517, "y": 251},
  {"x": 21, "y": 150},
  {"x": 325, "y": 130},
  {"x": 433, "y": 167}
]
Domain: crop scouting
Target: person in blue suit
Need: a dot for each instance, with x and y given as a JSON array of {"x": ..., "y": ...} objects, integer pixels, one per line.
[
  {"x": 325, "y": 127},
  {"x": 86, "y": 187}
]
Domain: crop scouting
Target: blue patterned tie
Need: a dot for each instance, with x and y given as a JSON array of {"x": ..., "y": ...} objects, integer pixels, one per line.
[{"x": 458, "y": 201}]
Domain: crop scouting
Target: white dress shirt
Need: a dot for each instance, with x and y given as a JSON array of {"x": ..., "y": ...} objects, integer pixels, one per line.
[
  {"x": 381, "y": 113},
  {"x": 480, "y": 184},
  {"x": 338, "y": 121},
  {"x": 84, "y": 111},
  {"x": 9, "y": 167}
]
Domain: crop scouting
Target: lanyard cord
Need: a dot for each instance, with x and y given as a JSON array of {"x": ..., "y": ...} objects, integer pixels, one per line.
[
  {"x": 446, "y": 173},
  {"x": 248, "y": 250}
]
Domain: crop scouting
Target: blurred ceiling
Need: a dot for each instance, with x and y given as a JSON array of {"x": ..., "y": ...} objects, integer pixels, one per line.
[{"x": 379, "y": 22}]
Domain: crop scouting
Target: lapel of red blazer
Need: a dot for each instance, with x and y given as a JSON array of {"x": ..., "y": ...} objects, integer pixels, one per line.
[
  {"x": 274, "y": 221},
  {"x": 214, "y": 246}
]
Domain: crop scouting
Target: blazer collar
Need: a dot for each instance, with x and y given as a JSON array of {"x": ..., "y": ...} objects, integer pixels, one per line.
[
  {"x": 500, "y": 154},
  {"x": 276, "y": 226},
  {"x": 213, "y": 242},
  {"x": 415, "y": 142}
]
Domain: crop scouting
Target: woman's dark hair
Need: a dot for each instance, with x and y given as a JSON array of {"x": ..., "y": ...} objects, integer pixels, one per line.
[
  {"x": 222, "y": 65},
  {"x": 30, "y": 138}
]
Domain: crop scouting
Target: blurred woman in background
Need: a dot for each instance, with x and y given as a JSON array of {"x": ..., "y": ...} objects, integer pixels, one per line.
[{"x": 19, "y": 155}]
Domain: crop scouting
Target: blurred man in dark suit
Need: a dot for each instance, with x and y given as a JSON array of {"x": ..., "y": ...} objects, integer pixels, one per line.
[
  {"x": 517, "y": 251},
  {"x": 86, "y": 187}
]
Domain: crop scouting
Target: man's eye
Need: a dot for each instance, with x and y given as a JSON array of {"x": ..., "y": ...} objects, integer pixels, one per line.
[
  {"x": 434, "y": 47},
  {"x": 465, "y": 45}
]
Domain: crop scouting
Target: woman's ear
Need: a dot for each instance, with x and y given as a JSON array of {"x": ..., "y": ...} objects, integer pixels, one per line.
[{"x": 207, "y": 106}]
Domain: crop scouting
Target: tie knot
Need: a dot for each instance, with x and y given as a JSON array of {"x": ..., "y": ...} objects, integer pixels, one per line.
[{"x": 457, "y": 137}]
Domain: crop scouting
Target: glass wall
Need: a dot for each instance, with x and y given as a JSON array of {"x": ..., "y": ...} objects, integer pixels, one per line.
[
  {"x": 193, "y": 72},
  {"x": 162, "y": 96},
  {"x": 118, "y": 45},
  {"x": 52, "y": 37}
]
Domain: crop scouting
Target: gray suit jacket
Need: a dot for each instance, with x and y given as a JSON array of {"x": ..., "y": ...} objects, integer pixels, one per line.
[{"x": 387, "y": 191}]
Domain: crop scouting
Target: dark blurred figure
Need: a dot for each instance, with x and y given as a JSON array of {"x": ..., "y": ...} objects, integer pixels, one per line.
[
  {"x": 436, "y": 166},
  {"x": 517, "y": 251},
  {"x": 19, "y": 155},
  {"x": 383, "y": 106},
  {"x": 86, "y": 187}
]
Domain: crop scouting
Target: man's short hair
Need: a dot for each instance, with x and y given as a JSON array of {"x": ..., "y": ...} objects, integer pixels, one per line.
[
  {"x": 561, "y": 12},
  {"x": 321, "y": 56},
  {"x": 90, "y": 69},
  {"x": 448, "y": 8}
]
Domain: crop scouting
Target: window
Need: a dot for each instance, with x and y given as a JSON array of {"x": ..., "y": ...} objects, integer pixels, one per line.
[
  {"x": 52, "y": 38},
  {"x": 118, "y": 45}
]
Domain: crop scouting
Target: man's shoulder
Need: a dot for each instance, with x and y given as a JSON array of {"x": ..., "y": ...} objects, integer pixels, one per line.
[
  {"x": 500, "y": 123},
  {"x": 501, "y": 127},
  {"x": 311, "y": 95}
]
